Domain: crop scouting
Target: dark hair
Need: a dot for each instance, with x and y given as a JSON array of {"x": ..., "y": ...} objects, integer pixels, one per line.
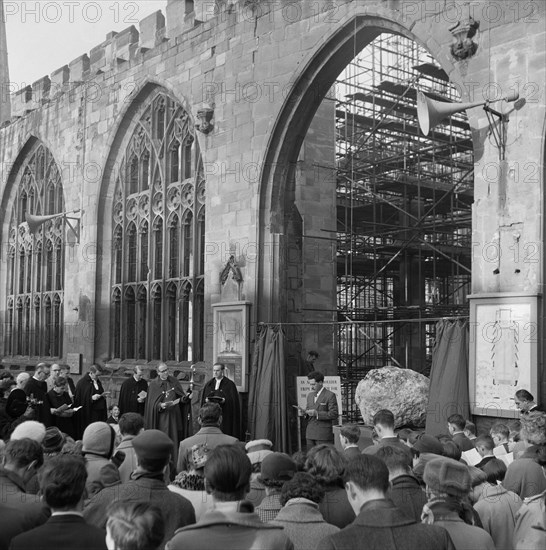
[
  {"x": 451, "y": 450},
  {"x": 316, "y": 376},
  {"x": 227, "y": 473},
  {"x": 470, "y": 426},
  {"x": 62, "y": 481},
  {"x": 60, "y": 382},
  {"x": 384, "y": 418},
  {"x": 130, "y": 423},
  {"x": 524, "y": 395},
  {"x": 300, "y": 457},
  {"x": 302, "y": 485},
  {"x": 541, "y": 456},
  {"x": 221, "y": 365},
  {"x": 40, "y": 367},
  {"x": 394, "y": 458},
  {"x": 326, "y": 464},
  {"x": 210, "y": 413},
  {"x": 22, "y": 452},
  {"x": 351, "y": 432},
  {"x": 153, "y": 464},
  {"x": 495, "y": 470},
  {"x": 94, "y": 369},
  {"x": 500, "y": 429},
  {"x": 486, "y": 441},
  {"x": 135, "y": 526},
  {"x": 515, "y": 428},
  {"x": 367, "y": 472},
  {"x": 313, "y": 353},
  {"x": 457, "y": 420}
]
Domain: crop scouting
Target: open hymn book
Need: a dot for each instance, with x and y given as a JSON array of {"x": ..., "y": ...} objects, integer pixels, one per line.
[{"x": 473, "y": 457}]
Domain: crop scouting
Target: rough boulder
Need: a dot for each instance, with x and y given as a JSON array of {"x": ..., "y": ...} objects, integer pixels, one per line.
[{"x": 402, "y": 391}]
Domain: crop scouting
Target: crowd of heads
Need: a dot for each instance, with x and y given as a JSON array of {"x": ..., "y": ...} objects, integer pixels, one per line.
[{"x": 226, "y": 473}]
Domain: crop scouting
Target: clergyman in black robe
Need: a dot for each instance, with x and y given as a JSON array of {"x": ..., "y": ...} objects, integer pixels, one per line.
[
  {"x": 91, "y": 396},
  {"x": 36, "y": 390},
  {"x": 132, "y": 396},
  {"x": 222, "y": 390}
]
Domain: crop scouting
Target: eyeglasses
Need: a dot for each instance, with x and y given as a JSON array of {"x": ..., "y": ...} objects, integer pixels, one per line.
[{"x": 162, "y": 371}]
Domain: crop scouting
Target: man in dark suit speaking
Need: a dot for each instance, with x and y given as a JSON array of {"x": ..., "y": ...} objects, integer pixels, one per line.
[{"x": 321, "y": 410}]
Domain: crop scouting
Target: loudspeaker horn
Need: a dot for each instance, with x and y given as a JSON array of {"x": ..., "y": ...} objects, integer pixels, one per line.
[
  {"x": 431, "y": 112},
  {"x": 34, "y": 222}
]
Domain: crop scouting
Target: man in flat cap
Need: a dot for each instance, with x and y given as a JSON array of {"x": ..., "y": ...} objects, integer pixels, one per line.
[
  {"x": 448, "y": 483},
  {"x": 153, "y": 449}
]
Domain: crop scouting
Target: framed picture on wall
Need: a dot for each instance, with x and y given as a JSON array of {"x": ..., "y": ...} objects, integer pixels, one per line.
[
  {"x": 230, "y": 340},
  {"x": 74, "y": 361},
  {"x": 504, "y": 336}
]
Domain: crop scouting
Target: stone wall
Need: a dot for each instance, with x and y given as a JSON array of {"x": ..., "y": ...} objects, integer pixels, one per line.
[{"x": 266, "y": 67}]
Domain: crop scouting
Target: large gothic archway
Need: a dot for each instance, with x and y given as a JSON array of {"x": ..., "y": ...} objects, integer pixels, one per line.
[{"x": 417, "y": 279}]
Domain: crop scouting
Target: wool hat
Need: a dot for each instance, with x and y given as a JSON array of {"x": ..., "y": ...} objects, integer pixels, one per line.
[
  {"x": 446, "y": 475},
  {"x": 53, "y": 440},
  {"x": 277, "y": 467},
  {"x": 258, "y": 449},
  {"x": 99, "y": 439},
  {"x": 30, "y": 429},
  {"x": 425, "y": 443},
  {"x": 153, "y": 445}
]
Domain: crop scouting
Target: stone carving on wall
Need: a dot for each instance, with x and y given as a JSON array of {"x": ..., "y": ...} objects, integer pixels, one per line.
[
  {"x": 464, "y": 32},
  {"x": 204, "y": 115}
]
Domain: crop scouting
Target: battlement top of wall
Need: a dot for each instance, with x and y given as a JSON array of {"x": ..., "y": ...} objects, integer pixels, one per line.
[{"x": 118, "y": 48}]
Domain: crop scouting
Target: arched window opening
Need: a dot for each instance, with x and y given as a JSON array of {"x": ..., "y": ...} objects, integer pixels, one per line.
[
  {"x": 117, "y": 322},
  {"x": 152, "y": 320},
  {"x": 35, "y": 273},
  {"x": 172, "y": 324},
  {"x": 130, "y": 323},
  {"x": 156, "y": 325},
  {"x": 186, "y": 336},
  {"x": 188, "y": 244}
]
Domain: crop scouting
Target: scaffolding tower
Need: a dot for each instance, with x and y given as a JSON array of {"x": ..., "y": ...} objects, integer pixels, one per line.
[{"x": 403, "y": 212}]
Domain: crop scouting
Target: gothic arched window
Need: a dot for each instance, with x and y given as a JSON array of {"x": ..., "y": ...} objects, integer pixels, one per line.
[
  {"x": 35, "y": 277},
  {"x": 157, "y": 232}
]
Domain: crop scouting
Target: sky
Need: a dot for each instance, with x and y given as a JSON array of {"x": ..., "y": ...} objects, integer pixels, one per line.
[{"x": 44, "y": 35}]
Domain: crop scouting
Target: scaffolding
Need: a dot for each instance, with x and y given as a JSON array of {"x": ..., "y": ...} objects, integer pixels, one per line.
[{"x": 403, "y": 212}]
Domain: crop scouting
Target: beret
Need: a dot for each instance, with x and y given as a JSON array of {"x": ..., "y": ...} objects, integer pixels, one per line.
[
  {"x": 153, "y": 445},
  {"x": 446, "y": 475},
  {"x": 277, "y": 467}
]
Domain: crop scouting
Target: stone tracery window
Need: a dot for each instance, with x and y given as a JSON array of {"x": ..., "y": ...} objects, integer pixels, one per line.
[
  {"x": 157, "y": 234},
  {"x": 35, "y": 276}
]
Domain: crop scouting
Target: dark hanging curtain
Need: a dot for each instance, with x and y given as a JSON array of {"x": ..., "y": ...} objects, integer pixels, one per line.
[
  {"x": 267, "y": 414},
  {"x": 448, "y": 392}
]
